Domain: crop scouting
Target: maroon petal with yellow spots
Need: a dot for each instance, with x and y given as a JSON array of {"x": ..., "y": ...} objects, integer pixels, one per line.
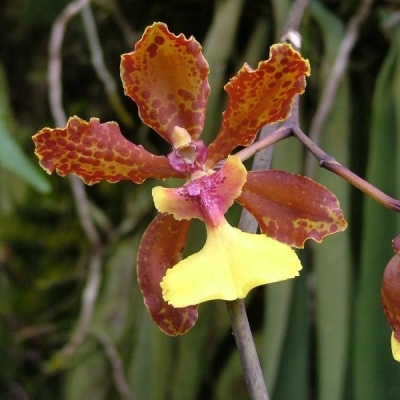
[
  {"x": 160, "y": 249},
  {"x": 94, "y": 152},
  {"x": 259, "y": 97},
  {"x": 166, "y": 76},
  {"x": 291, "y": 208}
]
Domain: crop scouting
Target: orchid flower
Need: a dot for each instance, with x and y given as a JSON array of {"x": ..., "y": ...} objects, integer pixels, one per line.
[{"x": 166, "y": 76}]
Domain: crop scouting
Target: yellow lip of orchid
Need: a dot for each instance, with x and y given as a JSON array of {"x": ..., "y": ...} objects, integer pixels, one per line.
[{"x": 230, "y": 264}]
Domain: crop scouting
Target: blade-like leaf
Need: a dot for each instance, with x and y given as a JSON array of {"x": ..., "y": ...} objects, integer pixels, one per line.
[
  {"x": 295, "y": 360},
  {"x": 375, "y": 372},
  {"x": 223, "y": 29},
  {"x": 11, "y": 155},
  {"x": 332, "y": 259}
]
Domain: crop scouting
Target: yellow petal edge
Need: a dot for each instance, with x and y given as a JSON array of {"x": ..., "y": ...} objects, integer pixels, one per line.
[
  {"x": 395, "y": 348},
  {"x": 230, "y": 264}
]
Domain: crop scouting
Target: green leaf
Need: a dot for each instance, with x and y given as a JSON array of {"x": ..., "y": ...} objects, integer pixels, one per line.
[
  {"x": 333, "y": 263},
  {"x": 376, "y": 374},
  {"x": 276, "y": 322},
  {"x": 332, "y": 31},
  {"x": 11, "y": 155},
  {"x": 222, "y": 30},
  {"x": 332, "y": 259},
  {"x": 117, "y": 315},
  {"x": 294, "y": 367},
  {"x": 281, "y": 10}
]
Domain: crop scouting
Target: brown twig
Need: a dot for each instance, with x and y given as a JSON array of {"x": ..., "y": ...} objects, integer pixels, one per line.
[
  {"x": 130, "y": 36},
  {"x": 329, "y": 163},
  {"x": 114, "y": 359},
  {"x": 90, "y": 291},
  {"x": 54, "y": 71},
  {"x": 276, "y": 136},
  {"x": 325, "y": 161},
  {"x": 100, "y": 67}
]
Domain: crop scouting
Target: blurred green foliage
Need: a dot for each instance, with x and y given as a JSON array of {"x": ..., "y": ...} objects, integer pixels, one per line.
[{"x": 321, "y": 336}]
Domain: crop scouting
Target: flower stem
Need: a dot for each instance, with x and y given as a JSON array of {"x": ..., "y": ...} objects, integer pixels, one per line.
[
  {"x": 236, "y": 309},
  {"x": 247, "y": 351}
]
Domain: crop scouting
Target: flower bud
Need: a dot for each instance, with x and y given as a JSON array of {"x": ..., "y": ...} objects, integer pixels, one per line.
[{"x": 390, "y": 297}]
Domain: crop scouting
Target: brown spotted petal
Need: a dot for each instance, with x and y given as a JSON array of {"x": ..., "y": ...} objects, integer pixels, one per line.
[
  {"x": 390, "y": 296},
  {"x": 160, "y": 249},
  {"x": 96, "y": 152},
  {"x": 166, "y": 76},
  {"x": 259, "y": 97},
  {"x": 291, "y": 208}
]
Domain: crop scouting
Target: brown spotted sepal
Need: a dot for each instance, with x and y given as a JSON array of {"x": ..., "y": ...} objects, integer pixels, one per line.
[
  {"x": 166, "y": 76},
  {"x": 97, "y": 151},
  {"x": 160, "y": 249},
  {"x": 390, "y": 297},
  {"x": 259, "y": 97},
  {"x": 291, "y": 208}
]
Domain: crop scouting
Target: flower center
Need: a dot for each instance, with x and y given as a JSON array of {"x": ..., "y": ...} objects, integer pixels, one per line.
[{"x": 187, "y": 155}]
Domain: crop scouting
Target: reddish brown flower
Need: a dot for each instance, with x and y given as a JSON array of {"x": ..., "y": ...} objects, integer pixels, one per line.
[{"x": 166, "y": 75}]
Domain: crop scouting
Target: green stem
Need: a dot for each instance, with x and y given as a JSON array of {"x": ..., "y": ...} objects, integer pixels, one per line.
[
  {"x": 237, "y": 312},
  {"x": 247, "y": 350}
]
